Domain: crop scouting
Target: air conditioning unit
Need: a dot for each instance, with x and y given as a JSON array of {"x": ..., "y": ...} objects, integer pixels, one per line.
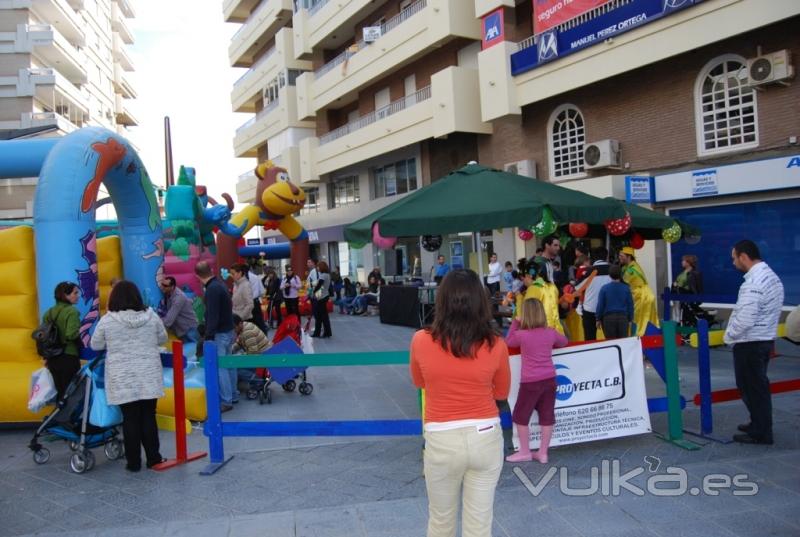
[
  {"x": 769, "y": 68},
  {"x": 602, "y": 154},
  {"x": 522, "y": 167}
]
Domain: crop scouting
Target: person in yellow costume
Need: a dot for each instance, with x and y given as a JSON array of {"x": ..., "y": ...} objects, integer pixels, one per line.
[
  {"x": 537, "y": 286},
  {"x": 644, "y": 301}
]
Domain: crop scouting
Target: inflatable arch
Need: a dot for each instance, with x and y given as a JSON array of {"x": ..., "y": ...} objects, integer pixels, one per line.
[{"x": 64, "y": 219}]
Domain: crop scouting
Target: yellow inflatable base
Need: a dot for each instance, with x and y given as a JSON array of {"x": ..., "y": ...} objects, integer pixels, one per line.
[
  {"x": 715, "y": 337},
  {"x": 195, "y": 404},
  {"x": 15, "y": 380}
]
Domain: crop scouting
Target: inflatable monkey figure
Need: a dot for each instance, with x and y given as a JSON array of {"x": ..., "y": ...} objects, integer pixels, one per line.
[{"x": 276, "y": 200}]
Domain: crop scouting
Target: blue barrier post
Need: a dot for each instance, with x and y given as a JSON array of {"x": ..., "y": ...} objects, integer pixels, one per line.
[
  {"x": 704, "y": 372},
  {"x": 667, "y": 298},
  {"x": 213, "y": 426}
]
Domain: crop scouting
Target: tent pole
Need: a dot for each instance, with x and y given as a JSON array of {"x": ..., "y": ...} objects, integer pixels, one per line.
[{"x": 608, "y": 246}]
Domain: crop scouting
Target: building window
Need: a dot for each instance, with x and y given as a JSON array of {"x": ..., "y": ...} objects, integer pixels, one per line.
[
  {"x": 396, "y": 178},
  {"x": 344, "y": 191},
  {"x": 566, "y": 138},
  {"x": 312, "y": 201},
  {"x": 725, "y": 107}
]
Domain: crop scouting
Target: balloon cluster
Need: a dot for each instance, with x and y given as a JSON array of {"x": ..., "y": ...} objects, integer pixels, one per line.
[
  {"x": 619, "y": 226},
  {"x": 384, "y": 243},
  {"x": 547, "y": 225},
  {"x": 578, "y": 229},
  {"x": 672, "y": 234},
  {"x": 526, "y": 234}
]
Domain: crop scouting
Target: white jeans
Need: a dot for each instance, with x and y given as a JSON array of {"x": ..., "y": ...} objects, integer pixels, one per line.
[{"x": 462, "y": 463}]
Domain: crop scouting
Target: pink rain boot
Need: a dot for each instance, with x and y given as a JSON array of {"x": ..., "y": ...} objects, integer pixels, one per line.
[
  {"x": 524, "y": 453},
  {"x": 547, "y": 434}
]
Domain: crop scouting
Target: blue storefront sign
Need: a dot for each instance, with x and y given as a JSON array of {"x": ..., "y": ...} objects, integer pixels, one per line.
[
  {"x": 640, "y": 189},
  {"x": 554, "y": 44}
]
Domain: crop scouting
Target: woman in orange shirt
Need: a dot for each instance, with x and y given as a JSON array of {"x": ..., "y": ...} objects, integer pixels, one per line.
[{"x": 462, "y": 364}]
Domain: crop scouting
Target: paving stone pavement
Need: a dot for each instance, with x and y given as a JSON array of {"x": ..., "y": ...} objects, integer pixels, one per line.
[{"x": 373, "y": 486}]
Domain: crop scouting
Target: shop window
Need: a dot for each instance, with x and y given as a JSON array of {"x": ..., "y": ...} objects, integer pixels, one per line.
[
  {"x": 566, "y": 138},
  {"x": 725, "y": 107},
  {"x": 312, "y": 201},
  {"x": 396, "y": 178}
]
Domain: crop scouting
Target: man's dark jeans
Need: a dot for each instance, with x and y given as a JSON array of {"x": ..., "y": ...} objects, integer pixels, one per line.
[
  {"x": 750, "y": 361},
  {"x": 589, "y": 321}
]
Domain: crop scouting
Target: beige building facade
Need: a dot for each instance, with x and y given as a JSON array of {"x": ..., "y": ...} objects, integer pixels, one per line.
[
  {"x": 644, "y": 88},
  {"x": 63, "y": 66}
]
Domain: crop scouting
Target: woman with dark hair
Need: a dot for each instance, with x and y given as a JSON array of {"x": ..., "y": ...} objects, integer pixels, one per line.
[
  {"x": 290, "y": 285},
  {"x": 131, "y": 334},
  {"x": 321, "y": 294},
  {"x": 462, "y": 364},
  {"x": 68, "y": 322}
]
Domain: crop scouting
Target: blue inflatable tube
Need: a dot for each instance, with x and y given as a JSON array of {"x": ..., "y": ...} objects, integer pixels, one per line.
[
  {"x": 273, "y": 251},
  {"x": 24, "y": 158},
  {"x": 64, "y": 219}
]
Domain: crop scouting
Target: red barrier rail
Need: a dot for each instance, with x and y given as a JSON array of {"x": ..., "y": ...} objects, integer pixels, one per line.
[
  {"x": 179, "y": 400},
  {"x": 732, "y": 394}
]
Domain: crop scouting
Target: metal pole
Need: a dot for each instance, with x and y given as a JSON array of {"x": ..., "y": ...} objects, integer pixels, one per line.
[{"x": 170, "y": 174}]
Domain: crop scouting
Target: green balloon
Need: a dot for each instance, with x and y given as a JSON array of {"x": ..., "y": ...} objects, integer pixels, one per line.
[
  {"x": 547, "y": 226},
  {"x": 672, "y": 234}
]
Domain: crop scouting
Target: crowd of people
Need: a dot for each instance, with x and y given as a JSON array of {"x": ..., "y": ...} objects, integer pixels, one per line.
[{"x": 462, "y": 363}]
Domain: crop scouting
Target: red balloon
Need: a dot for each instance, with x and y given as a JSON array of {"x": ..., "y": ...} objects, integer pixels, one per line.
[
  {"x": 578, "y": 229},
  {"x": 525, "y": 234},
  {"x": 637, "y": 241},
  {"x": 619, "y": 226}
]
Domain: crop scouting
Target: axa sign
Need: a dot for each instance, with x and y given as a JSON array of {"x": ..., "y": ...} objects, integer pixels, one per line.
[{"x": 548, "y": 46}]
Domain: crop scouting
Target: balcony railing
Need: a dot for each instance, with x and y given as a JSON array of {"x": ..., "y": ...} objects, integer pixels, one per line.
[
  {"x": 576, "y": 21},
  {"x": 252, "y": 20},
  {"x": 386, "y": 27},
  {"x": 260, "y": 114},
  {"x": 381, "y": 113},
  {"x": 261, "y": 61},
  {"x": 316, "y": 7}
]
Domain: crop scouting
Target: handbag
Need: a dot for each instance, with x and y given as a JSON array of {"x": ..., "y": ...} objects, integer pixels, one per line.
[{"x": 43, "y": 389}]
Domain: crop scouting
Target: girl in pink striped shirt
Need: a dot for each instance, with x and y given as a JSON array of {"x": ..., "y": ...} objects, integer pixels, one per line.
[{"x": 537, "y": 388}]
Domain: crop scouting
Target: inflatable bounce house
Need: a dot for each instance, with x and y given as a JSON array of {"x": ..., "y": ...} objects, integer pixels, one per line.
[{"x": 63, "y": 244}]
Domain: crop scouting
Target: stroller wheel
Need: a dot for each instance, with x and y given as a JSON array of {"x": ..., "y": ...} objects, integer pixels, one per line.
[
  {"x": 289, "y": 386},
  {"x": 41, "y": 455},
  {"x": 306, "y": 388},
  {"x": 78, "y": 463},
  {"x": 113, "y": 450},
  {"x": 252, "y": 394},
  {"x": 269, "y": 397},
  {"x": 261, "y": 398}
]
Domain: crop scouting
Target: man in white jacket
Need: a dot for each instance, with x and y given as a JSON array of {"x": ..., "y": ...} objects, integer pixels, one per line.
[{"x": 752, "y": 328}]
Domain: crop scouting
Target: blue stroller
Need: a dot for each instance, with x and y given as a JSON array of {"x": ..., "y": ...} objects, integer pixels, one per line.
[{"x": 70, "y": 421}]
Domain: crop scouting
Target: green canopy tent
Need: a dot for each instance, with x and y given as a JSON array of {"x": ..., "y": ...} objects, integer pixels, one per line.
[{"x": 476, "y": 198}]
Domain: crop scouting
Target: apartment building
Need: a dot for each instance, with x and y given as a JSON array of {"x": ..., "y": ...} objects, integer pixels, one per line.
[
  {"x": 691, "y": 105},
  {"x": 380, "y": 98},
  {"x": 696, "y": 102},
  {"x": 63, "y": 66}
]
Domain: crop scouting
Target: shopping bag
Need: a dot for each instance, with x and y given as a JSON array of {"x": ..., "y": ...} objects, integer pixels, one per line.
[
  {"x": 307, "y": 343},
  {"x": 43, "y": 389},
  {"x": 101, "y": 414}
]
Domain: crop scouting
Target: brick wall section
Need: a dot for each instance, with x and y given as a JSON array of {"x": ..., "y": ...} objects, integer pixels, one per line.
[
  {"x": 650, "y": 110},
  {"x": 448, "y": 154}
]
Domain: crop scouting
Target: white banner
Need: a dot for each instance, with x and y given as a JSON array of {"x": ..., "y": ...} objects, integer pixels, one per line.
[{"x": 600, "y": 392}]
